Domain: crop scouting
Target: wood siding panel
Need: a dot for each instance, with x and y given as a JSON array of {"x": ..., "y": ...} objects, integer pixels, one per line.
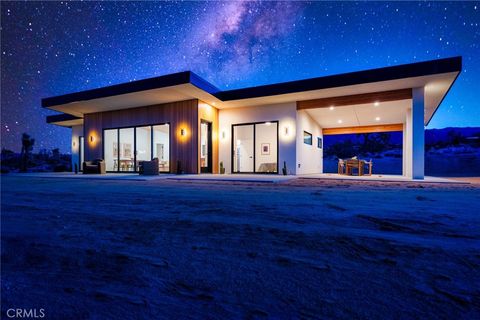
[
  {"x": 363, "y": 129},
  {"x": 183, "y": 114},
  {"x": 384, "y": 96},
  {"x": 92, "y": 127}
]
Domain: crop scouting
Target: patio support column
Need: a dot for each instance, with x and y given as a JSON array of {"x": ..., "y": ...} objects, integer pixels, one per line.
[
  {"x": 407, "y": 144},
  {"x": 406, "y": 166},
  {"x": 418, "y": 133}
]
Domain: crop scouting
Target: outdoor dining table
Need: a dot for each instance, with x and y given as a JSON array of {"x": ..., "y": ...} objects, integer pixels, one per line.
[
  {"x": 351, "y": 164},
  {"x": 346, "y": 167}
]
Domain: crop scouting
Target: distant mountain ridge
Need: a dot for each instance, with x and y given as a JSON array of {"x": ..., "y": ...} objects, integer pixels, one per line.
[{"x": 432, "y": 136}]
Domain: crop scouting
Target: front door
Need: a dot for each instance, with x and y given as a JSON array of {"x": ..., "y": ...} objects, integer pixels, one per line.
[
  {"x": 81, "y": 156},
  {"x": 205, "y": 147}
]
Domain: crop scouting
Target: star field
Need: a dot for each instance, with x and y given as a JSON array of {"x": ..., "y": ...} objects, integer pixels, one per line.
[{"x": 53, "y": 48}]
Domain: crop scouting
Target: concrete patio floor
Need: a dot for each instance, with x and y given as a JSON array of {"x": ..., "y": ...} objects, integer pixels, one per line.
[
  {"x": 254, "y": 178},
  {"x": 267, "y": 178},
  {"x": 378, "y": 177},
  {"x": 107, "y": 176}
]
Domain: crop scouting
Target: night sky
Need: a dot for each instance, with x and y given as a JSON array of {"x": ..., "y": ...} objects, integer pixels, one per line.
[{"x": 53, "y": 48}]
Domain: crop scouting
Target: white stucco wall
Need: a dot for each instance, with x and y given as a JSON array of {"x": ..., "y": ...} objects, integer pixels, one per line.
[
  {"x": 77, "y": 131},
  {"x": 285, "y": 114},
  {"x": 309, "y": 157}
]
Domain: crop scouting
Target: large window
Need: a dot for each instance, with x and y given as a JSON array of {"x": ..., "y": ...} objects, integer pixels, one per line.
[
  {"x": 266, "y": 147},
  {"x": 124, "y": 148},
  {"x": 255, "y": 147},
  {"x": 127, "y": 160},
  {"x": 243, "y": 148},
  {"x": 161, "y": 146},
  {"x": 81, "y": 153},
  {"x": 110, "y": 149},
  {"x": 143, "y": 143}
]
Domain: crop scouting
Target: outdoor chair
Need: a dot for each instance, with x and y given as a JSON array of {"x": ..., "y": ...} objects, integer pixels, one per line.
[
  {"x": 369, "y": 165},
  {"x": 150, "y": 168},
  {"x": 96, "y": 166},
  {"x": 341, "y": 166}
]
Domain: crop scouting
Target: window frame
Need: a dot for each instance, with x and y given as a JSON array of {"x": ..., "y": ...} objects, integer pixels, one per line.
[
  {"x": 135, "y": 170},
  {"x": 277, "y": 122}
]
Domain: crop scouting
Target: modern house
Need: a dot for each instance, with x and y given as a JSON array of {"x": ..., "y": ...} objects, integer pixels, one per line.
[{"x": 185, "y": 121}]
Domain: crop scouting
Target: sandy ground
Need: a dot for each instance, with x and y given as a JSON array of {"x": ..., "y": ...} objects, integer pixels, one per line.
[{"x": 303, "y": 249}]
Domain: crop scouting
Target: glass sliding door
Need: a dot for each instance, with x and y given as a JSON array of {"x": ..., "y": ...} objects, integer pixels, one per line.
[
  {"x": 123, "y": 148},
  {"x": 243, "y": 148},
  {"x": 255, "y": 148},
  {"x": 81, "y": 153},
  {"x": 126, "y": 159},
  {"x": 161, "y": 146},
  {"x": 143, "y": 144},
  {"x": 110, "y": 149},
  {"x": 266, "y": 147}
]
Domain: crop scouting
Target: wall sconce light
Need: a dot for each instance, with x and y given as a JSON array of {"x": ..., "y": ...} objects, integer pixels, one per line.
[
  {"x": 286, "y": 131},
  {"x": 182, "y": 132},
  {"x": 73, "y": 143},
  {"x": 223, "y": 134},
  {"x": 92, "y": 138}
]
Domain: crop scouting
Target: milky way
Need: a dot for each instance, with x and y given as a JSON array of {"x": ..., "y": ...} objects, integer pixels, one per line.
[{"x": 52, "y": 48}]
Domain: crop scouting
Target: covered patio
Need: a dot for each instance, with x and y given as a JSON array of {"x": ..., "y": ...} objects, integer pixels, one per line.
[{"x": 407, "y": 106}]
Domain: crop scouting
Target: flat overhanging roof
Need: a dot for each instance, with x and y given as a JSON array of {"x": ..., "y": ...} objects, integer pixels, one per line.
[
  {"x": 64, "y": 120},
  {"x": 437, "y": 76}
]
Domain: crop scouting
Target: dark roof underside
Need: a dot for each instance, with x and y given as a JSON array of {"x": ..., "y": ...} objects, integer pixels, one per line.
[
  {"x": 346, "y": 79},
  {"x": 61, "y": 117},
  {"x": 418, "y": 69}
]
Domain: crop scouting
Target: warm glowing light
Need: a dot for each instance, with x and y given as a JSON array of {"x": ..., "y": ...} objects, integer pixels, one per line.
[
  {"x": 286, "y": 130},
  {"x": 331, "y": 107},
  {"x": 339, "y": 121},
  {"x": 73, "y": 143},
  {"x": 268, "y": 123},
  {"x": 377, "y": 118},
  {"x": 214, "y": 103},
  {"x": 376, "y": 103},
  {"x": 92, "y": 138},
  {"x": 183, "y": 132}
]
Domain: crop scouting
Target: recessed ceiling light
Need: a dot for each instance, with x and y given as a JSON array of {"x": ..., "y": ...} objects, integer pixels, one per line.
[
  {"x": 376, "y": 103},
  {"x": 214, "y": 103},
  {"x": 339, "y": 121},
  {"x": 331, "y": 108},
  {"x": 377, "y": 118}
]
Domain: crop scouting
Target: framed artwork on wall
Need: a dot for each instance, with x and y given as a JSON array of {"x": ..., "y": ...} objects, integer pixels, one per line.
[
  {"x": 319, "y": 143},
  {"x": 307, "y": 138},
  {"x": 265, "y": 149}
]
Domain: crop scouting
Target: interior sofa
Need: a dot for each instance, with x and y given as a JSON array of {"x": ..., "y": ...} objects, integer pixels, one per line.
[
  {"x": 148, "y": 167},
  {"x": 96, "y": 166}
]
